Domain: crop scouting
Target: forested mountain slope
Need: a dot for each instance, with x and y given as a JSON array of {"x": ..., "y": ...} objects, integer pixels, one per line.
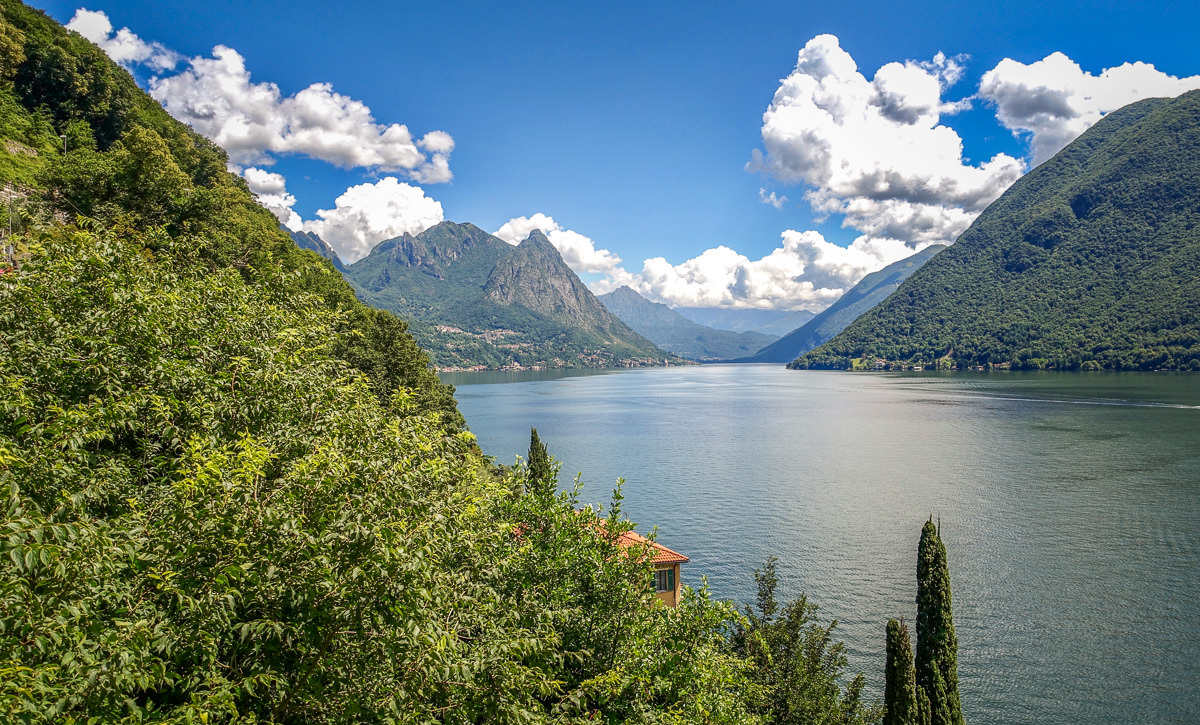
[
  {"x": 474, "y": 300},
  {"x": 672, "y": 331},
  {"x": 870, "y": 291},
  {"x": 128, "y": 165},
  {"x": 1090, "y": 261}
]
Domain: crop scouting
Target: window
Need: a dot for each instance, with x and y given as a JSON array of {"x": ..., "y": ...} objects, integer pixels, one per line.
[{"x": 664, "y": 580}]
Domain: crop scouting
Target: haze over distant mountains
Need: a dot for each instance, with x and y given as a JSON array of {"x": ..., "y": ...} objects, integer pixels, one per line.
[
  {"x": 870, "y": 291},
  {"x": 672, "y": 331},
  {"x": 1090, "y": 261},
  {"x": 768, "y": 322},
  {"x": 473, "y": 300}
]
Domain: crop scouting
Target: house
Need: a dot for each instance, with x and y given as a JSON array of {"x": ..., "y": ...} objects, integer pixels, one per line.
[{"x": 666, "y": 566}]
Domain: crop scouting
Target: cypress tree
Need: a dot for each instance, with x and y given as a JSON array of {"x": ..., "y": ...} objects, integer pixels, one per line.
[
  {"x": 937, "y": 646},
  {"x": 900, "y": 679},
  {"x": 539, "y": 469}
]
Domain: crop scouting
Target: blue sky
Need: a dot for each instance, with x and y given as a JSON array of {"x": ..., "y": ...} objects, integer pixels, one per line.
[{"x": 632, "y": 125}]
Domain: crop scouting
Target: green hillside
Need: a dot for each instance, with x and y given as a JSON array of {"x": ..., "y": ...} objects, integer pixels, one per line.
[
  {"x": 870, "y": 291},
  {"x": 672, "y": 331},
  {"x": 1091, "y": 261},
  {"x": 129, "y": 166},
  {"x": 474, "y": 300}
]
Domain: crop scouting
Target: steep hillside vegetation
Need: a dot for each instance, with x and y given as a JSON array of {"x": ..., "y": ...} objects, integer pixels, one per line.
[
  {"x": 475, "y": 301},
  {"x": 1091, "y": 261},
  {"x": 870, "y": 291},
  {"x": 129, "y": 165},
  {"x": 672, "y": 331}
]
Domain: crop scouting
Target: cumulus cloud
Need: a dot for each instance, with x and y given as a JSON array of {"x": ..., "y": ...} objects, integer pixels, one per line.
[
  {"x": 771, "y": 199},
  {"x": 124, "y": 46},
  {"x": 272, "y": 193},
  {"x": 875, "y": 151},
  {"x": 367, "y": 214},
  {"x": 804, "y": 272},
  {"x": 1053, "y": 100},
  {"x": 252, "y": 121},
  {"x": 577, "y": 250}
]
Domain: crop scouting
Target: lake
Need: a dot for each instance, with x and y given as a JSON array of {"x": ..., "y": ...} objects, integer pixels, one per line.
[{"x": 1069, "y": 504}]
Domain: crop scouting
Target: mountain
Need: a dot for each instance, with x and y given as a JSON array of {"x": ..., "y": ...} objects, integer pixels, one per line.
[
  {"x": 1090, "y": 261},
  {"x": 476, "y": 301},
  {"x": 672, "y": 331},
  {"x": 783, "y": 325},
  {"x": 314, "y": 243},
  {"x": 870, "y": 291},
  {"x": 767, "y": 322}
]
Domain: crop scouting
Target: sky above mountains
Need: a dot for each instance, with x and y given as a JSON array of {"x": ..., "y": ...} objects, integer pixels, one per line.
[{"x": 706, "y": 154}]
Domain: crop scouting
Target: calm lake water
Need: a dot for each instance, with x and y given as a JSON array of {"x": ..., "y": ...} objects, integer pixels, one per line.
[{"x": 1070, "y": 506}]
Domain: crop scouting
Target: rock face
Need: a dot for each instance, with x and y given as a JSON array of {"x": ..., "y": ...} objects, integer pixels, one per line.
[
  {"x": 473, "y": 300},
  {"x": 672, "y": 331},
  {"x": 870, "y": 291},
  {"x": 536, "y": 277},
  {"x": 313, "y": 242},
  {"x": 1090, "y": 261}
]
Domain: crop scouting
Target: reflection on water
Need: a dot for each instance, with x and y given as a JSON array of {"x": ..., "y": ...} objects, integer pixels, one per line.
[
  {"x": 491, "y": 377},
  {"x": 1070, "y": 505}
]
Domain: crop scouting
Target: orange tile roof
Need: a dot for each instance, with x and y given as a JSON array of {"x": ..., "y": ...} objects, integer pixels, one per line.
[{"x": 661, "y": 555}]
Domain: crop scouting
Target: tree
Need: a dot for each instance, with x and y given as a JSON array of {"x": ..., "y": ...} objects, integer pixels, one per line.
[
  {"x": 900, "y": 704},
  {"x": 937, "y": 646},
  {"x": 540, "y": 471},
  {"x": 797, "y": 662}
]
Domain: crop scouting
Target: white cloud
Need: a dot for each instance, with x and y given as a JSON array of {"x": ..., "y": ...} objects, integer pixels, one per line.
[
  {"x": 578, "y": 251},
  {"x": 367, "y": 214},
  {"x": 252, "y": 121},
  {"x": 1054, "y": 100},
  {"x": 124, "y": 47},
  {"x": 804, "y": 272},
  {"x": 771, "y": 199},
  {"x": 272, "y": 193},
  {"x": 874, "y": 150}
]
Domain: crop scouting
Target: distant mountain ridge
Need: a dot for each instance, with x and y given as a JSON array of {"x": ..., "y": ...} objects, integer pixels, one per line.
[
  {"x": 1090, "y": 261},
  {"x": 314, "y": 243},
  {"x": 672, "y": 331},
  {"x": 766, "y": 322},
  {"x": 870, "y": 291},
  {"x": 474, "y": 301}
]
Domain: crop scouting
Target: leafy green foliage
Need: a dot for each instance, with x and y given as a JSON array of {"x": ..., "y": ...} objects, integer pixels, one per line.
[
  {"x": 937, "y": 645},
  {"x": 797, "y": 662},
  {"x": 1088, "y": 262},
  {"x": 208, "y": 514}
]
